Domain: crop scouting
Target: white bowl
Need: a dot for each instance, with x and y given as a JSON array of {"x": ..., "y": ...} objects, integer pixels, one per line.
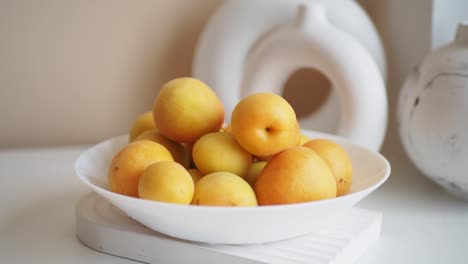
[{"x": 233, "y": 225}]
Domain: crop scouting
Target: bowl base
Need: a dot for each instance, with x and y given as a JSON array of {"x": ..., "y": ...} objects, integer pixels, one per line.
[{"x": 103, "y": 227}]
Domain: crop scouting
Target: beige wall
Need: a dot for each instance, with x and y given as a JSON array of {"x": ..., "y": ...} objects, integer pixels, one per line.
[{"x": 75, "y": 72}]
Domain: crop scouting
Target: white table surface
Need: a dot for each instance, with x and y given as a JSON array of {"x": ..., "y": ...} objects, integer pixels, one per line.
[{"x": 39, "y": 189}]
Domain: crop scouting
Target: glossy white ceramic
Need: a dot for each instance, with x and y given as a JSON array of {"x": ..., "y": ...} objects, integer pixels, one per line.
[{"x": 233, "y": 225}]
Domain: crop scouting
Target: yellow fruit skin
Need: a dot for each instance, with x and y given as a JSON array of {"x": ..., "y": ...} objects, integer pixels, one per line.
[
  {"x": 254, "y": 171},
  {"x": 303, "y": 140},
  {"x": 296, "y": 141},
  {"x": 295, "y": 175},
  {"x": 186, "y": 109},
  {"x": 177, "y": 150},
  {"x": 337, "y": 160},
  {"x": 129, "y": 164},
  {"x": 219, "y": 151},
  {"x": 143, "y": 123},
  {"x": 223, "y": 189},
  {"x": 265, "y": 124},
  {"x": 196, "y": 175},
  {"x": 166, "y": 181}
]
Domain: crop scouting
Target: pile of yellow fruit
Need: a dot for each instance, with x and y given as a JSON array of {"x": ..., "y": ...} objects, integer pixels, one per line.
[{"x": 180, "y": 152}]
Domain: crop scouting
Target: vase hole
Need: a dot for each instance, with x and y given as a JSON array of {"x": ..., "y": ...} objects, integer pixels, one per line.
[{"x": 307, "y": 89}]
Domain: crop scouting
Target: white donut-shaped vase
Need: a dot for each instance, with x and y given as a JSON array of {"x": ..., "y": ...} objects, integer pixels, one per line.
[
  {"x": 233, "y": 35},
  {"x": 310, "y": 41}
]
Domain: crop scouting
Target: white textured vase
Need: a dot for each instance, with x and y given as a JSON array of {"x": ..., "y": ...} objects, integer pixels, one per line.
[{"x": 433, "y": 115}]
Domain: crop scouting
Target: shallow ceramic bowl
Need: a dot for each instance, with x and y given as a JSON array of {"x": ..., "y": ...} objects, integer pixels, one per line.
[{"x": 233, "y": 225}]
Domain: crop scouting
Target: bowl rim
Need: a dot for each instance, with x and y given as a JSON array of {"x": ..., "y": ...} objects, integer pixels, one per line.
[{"x": 385, "y": 170}]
